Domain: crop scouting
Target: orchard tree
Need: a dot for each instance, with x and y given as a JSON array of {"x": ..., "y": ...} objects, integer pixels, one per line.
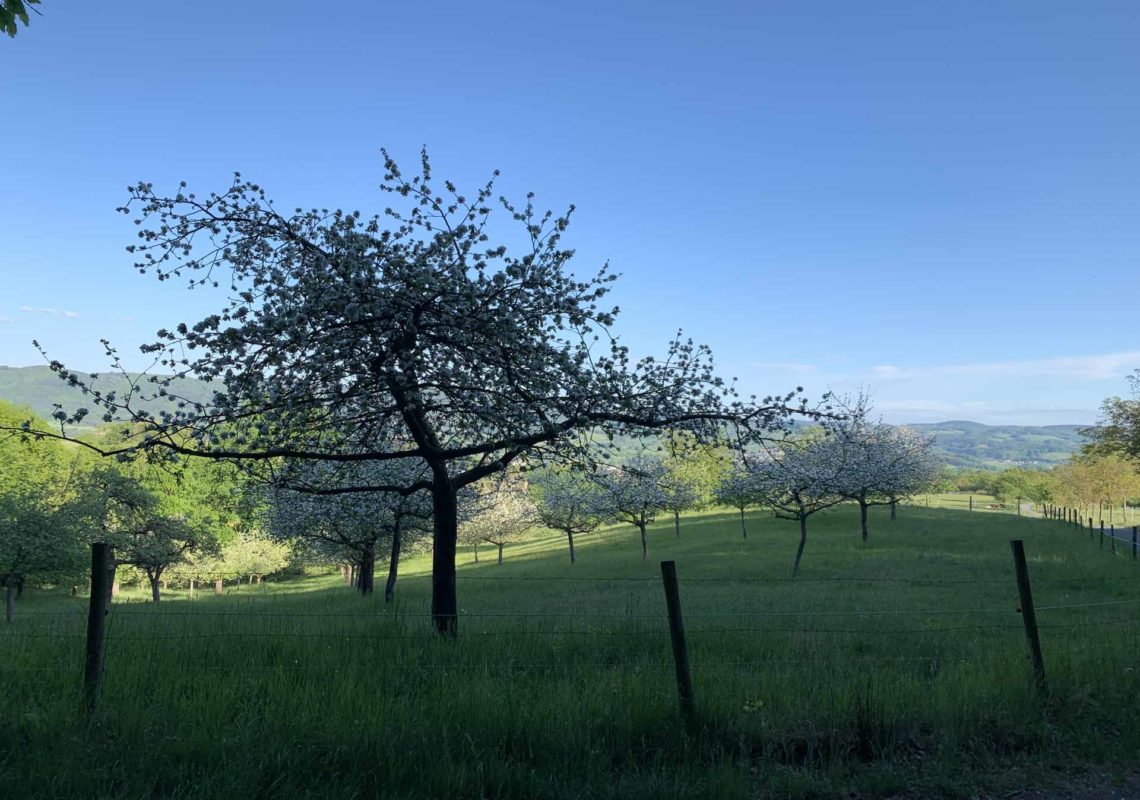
[
  {"x": 1118, "y": 430},
  {"x": 738, "y": 489},
  {"x": 881, "y": 464},
  {"x": 343, "y": 333},
  {"x": 504, "y": 514},
  {"x": 36, "y": 538},
  {"x": 798, "y": 481},
  {"x": 569, "y": 502},
  {"x": 634, "y": 493},
  {"x": 330, "y": 504},
  {"x": 122, "y": 512}
]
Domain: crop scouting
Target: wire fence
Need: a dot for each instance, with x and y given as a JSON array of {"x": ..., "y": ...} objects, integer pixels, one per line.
[{"x": 577, "y": 643}]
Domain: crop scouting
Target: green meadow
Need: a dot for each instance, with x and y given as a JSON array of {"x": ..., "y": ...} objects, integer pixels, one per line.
[{"x": 892, "y": 666}]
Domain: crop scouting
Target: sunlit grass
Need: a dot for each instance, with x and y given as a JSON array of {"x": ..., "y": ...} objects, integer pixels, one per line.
[{"x": 883, "y": 664}]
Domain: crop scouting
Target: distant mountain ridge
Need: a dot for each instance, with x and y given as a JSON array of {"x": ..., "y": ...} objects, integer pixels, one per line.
[
  {"x": 40, "y": 389},
  {"x": 959, "y": 442},
  {"x": 978, "y": 446}
]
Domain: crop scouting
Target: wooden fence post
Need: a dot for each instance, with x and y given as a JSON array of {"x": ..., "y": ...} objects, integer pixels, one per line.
[
  {"x": 1028, "y": 614},
  {"x": 971, "y": 502},
  {"x": 1133, "y": 542},
  {"x": 680, "y": 648},
  {"x": 1102, "y": 534},
  {"x": 1112, "y": 538},
  {"x": 1090, "y": 528},
  {"x": 102, "y": 563}
]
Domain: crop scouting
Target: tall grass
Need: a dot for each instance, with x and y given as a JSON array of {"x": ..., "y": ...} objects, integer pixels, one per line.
[{"x": 885, "y": 664}]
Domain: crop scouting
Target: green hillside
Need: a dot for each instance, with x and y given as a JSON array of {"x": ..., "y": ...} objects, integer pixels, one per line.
[
  {"x": 960, "y": 443},
  {"x": 971, "y": 444},
  {"x": 41, "y": 390}
]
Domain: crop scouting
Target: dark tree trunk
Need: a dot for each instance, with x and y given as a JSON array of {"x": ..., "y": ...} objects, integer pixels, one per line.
[
  {"x": 445, "y": 513},
  {"x": 803, "y": 541},
  {"x": 894, "y": 505},
  {"x": 217, "y": 586},
  {"x": 368, "y": 570},
  {"x": 677, "y": 522},
  {"x": 500, "y": 553},
  {"x": 743, "y": 530},
  {"x": 863, "y": 518},
  {"x": 644, "y": 542},
  {"x": 9, "y": 600},
  {"x": 476, "y": 552},
  {"x": 570, "y": 541},
  {"x": 155, "y": 586},
  {"x": 20, "y": 586},
  {"x": 393, "y": 564}
]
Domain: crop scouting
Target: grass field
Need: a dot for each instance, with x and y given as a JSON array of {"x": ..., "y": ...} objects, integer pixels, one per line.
[{"x": 893, "y": 664}]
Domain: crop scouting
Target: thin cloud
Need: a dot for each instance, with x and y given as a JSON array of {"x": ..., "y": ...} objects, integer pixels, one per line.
[
  {"x": 785, "y": 366},
  {"x": 1104, "y": 366},
  {"x": 4, "y": 318},
  {"x": 54, "y": 312}
]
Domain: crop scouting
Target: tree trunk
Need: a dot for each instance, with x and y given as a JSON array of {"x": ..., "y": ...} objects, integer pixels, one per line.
[
  {"x": 863, "y": 519},
  {"x": 9, "y": 600},
  {"x": 570, "y": 541},
  {"x": 218, "y": 582},
  {"x": 803, "y": 541},
  {"x": 164, "y": 585},
  {"x": 445, "y": 513},
  {"x": 476, "y": 552},
  {"x": 500, "y": 553},
  {"x": 677, "y": 522},
  {"x": 353, "y": 576},
  {"x": 393, "y": 564},
  {"x": 644, "y": 542},
  {"x": 368, "y": 570},
  {"x": 894, "y": 504},
  {"x": 191, "y": 588},
  {"x": 743, "y": 530},
  {"x": 154, "y": 587}
]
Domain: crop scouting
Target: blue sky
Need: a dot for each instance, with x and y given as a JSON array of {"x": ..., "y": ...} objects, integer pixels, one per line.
[{"x": 937, "y": 201}]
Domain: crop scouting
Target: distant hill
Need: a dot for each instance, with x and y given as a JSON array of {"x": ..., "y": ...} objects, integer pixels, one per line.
[
  {"x": 960, "y": 443},
  {"x": 977, "y": 446},
  {"x": 39, "y": 388}
]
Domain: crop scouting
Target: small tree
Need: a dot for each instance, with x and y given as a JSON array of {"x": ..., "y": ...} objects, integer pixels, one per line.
[
  {"x": 738, "y": 489},
  {"x": 345, "y": 333},
  {"x": 504, "y": 514},
  {"x": 634, "y": 493},
  {"x": 330, "y": 505},
  {"x": 798, "y": 481},
  {"x": 880, "y": 464},
  {"x": 569, "y": 503}
]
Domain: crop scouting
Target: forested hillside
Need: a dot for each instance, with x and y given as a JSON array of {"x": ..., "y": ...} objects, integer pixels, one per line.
[
  {"x": 971, "y": 444},
  {"x": 40, "y": 389}
]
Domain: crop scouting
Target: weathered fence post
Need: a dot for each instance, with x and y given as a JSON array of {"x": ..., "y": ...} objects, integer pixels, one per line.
[
  {"x": 1112, "y": 538},
  {"x": 680, "y": 648},
  {"x": 1090, "y": 528},
  {"x": 971, "y": 502},
  {"x": 1102, "y": 534},
  {"x": 1028, "y": 614},
  {"x": 1133, "y": 542},
  {"x": 102, "y": 562}
]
